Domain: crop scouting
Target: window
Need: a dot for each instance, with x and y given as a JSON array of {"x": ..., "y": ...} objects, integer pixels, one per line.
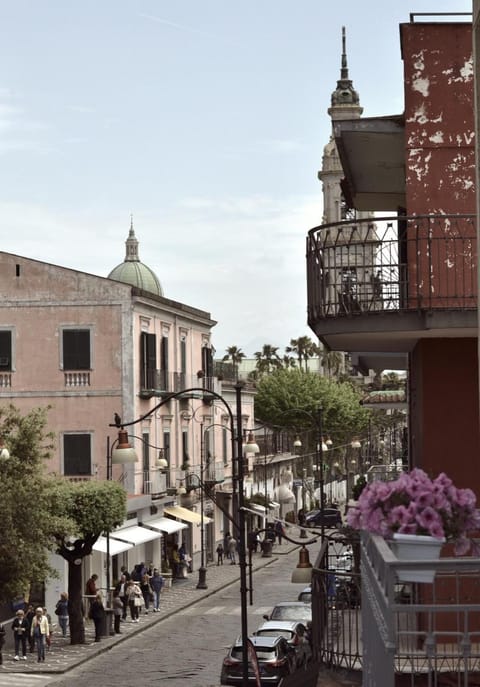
[
  {"x": 148, "y": 360},
  {"x": 166, "y": 454},
  {"x": 164, "y": 362},
  {"x": 225, "y": 434},
  {"x": 183, "y": 356},
  {"x": 5, "y": 350},
  {"x": 77, "y": 454},
  {"x": 185, "y": 456},
  {"x": 76, "y": 349}
]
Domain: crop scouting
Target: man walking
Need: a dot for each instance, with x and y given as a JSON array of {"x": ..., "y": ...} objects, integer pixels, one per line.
[{"x": 232, "y": 550}]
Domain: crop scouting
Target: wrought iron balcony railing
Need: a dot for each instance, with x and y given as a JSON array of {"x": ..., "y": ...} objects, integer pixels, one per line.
[
  {"x": 380, "y": 264},
  {"x": 164, "y": 382},
  {"x": 410, "y": 633}
]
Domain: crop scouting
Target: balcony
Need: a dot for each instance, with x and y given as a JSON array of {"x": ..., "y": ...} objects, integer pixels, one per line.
[
  {"x": 380, "y": 284},
  {"x": 162, "y": 383},
  {"x": 418, "y": 634}
]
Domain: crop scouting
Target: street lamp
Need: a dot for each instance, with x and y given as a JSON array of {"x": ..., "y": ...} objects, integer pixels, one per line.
[
  {"x": 202, "y": 571},
  {"x": 237, "y": 476},
  {"x": 120, "y": 453},
  {"x": 297, "y": 445}
]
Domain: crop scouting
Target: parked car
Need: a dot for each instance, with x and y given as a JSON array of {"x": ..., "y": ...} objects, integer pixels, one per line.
[
  {"x": 275, "y": 656},
  {"x": 294, "y": 633},
  {"x": 331, "y": 517},
  {"x": 291, "y": 610},
  {"x": 305, "y": 595}
]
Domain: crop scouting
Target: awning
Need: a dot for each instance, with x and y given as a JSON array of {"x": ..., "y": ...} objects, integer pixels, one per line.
[
  {"x": 187, "y": 515},
  {"x": 135, "y": 535},
  {"x": 273, "y": 504},
  {"x": 258, "y": 507},
  {"x": 115, "y": 546},
  {"x": 165, "y": 525}
]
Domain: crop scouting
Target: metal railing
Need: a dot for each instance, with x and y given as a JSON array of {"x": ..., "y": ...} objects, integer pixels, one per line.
[
  {"x": 370, "y": 266},
  {"x": 167, "y": 382},
  {"x": 413, "y": 634},
  {"x": 428, "y": 633}
]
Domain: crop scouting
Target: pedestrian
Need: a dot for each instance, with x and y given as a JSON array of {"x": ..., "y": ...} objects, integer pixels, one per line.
[
  {"x": 121, "y": 588},
  {"x": 226, "y": 539},
  {"x": 2, "y": 642},
  {"x": 97, "y": 613},
  {"x": 156, "y": 583},
  {"x": 61, "y": 610},
  {"x": 20, "y": 633},
  {"x": 91, "y": 590},
  {"x": 30, "y": 615},
  {"x": 279, "y": 531},
  {"x": 147, "y": 592},
  {"x": 135, "y": 600},
  {"x": 124, "y": 572},
  {"x": 39, "y": 630},
  {"x": 232, "y": 550},
  {"x": 175, "y": 561},
  {"x": 117, "y": 611},
  {"x": 220, "y": 553}
]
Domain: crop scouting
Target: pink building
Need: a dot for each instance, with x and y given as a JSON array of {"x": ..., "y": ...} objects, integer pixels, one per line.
[{"x": 90, "y": 347}]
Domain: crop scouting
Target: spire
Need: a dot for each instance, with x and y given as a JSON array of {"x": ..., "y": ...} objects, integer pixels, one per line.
[
  {"x": 344, "y": 70},
  {"x": 344, "y": 94},
  {"x": 131, "y": 253}
]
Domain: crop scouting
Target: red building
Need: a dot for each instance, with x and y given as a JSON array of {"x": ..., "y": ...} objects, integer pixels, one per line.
[{"x": 395, "y": 282}]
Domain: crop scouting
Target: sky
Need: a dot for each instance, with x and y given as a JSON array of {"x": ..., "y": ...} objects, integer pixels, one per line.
[{"x": 205, "y": 120}]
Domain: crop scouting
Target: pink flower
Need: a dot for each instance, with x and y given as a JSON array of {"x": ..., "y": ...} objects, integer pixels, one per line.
[{"x": 416, "y": 504}]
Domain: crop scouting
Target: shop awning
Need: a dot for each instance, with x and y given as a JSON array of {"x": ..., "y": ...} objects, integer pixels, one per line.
[
  {"x": 187, "y": 515},
  {"x": 135, "y": 535},
  {"x": 115, "y": 546},
  {"x": 258, "y": 507},
  {"x": 166, "y": 525},
  {"x": 273, "y": 504}
]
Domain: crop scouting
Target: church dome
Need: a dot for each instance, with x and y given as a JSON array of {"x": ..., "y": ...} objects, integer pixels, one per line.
[{"x": 132, "y": 271}]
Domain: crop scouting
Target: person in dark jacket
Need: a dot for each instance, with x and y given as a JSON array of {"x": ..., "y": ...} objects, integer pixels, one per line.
[
  {"x": 20, "y": 627},
  {"x": 61, "y": 610},
  {"x": 97, "y": 612},
  {"x": 156, "y": 583}
]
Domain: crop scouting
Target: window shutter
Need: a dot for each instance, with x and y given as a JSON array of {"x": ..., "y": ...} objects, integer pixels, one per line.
[{"x": 76, "y": 349}]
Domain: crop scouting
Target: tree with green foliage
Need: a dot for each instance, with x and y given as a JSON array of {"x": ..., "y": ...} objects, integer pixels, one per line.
[
  {"x": 304, "y": 348},
  {"x": 94, "y": 508},
  {"x": 235, "y": 355},
  {"x": 291, "y": 399},
  {"x": 268, "y": 359},
  {"x": 26, "y": 514}
]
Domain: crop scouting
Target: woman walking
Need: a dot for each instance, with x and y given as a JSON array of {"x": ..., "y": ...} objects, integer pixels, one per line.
[{"x": 39, "y": 630}]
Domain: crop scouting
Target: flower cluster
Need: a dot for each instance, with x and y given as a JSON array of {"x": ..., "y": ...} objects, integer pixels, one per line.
[{"x": 416, "y": 504}]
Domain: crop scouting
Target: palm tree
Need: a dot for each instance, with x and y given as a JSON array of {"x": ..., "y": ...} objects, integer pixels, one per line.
[
  {"x": 332, "y": 361},
  {"x": 236, "y": 355},
  {"x": 268, "y": 359},
  {"x": 304, "y": 348}
]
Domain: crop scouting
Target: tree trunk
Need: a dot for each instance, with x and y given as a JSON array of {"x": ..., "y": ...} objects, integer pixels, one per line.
[
  {"x": 75, "y": 604},
  {"x": 74, "y": 554}
]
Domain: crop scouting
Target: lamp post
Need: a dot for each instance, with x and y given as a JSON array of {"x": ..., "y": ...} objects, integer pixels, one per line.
[
  {"x": 120, "y": 453},
  {"x": 202, "y": 571},
  {"x": 237, "y": 476},
  {"x": 297, "y": 445}
]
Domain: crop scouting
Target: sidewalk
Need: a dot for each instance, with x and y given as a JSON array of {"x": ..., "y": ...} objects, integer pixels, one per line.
[{"x": 62, "y": 656}]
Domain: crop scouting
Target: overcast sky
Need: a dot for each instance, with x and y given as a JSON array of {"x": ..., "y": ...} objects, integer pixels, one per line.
[{"x": 205, "y": 119}]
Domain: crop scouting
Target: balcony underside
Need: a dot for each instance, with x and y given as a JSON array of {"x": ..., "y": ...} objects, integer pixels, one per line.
[{"x": 381, "y": 340}]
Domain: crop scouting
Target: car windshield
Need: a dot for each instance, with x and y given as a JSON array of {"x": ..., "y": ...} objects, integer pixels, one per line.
[
  {"x": 291, "y": 613},
  {"x": 263, "y": 653},
  {"x": 288, "y": 634}
]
